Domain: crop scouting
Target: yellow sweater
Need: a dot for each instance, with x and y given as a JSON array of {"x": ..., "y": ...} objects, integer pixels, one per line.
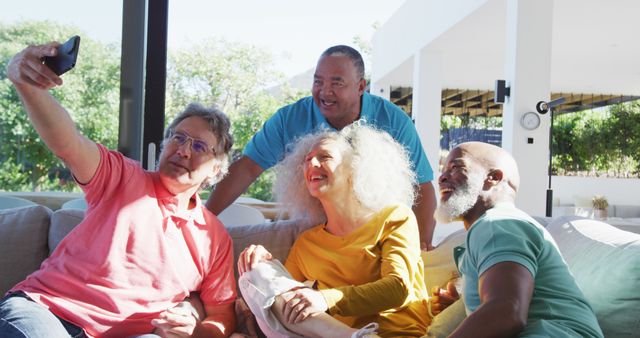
[{"x": 373, "y": 274}]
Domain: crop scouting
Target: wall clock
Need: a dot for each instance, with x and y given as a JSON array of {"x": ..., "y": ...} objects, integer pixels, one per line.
[{"x": 530, "y": 120}]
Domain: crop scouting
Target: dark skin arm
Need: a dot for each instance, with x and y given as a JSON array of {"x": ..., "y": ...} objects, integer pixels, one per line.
[
  {"x": 505, "y": 294},
  {"x": 241, "y": 174},
  {"x": 423, "y": 208}
]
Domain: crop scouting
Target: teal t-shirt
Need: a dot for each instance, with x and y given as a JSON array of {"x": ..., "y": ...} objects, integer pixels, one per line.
[
  {"x": 269, "y": 145},
  {"x": 506, "y": 234}
]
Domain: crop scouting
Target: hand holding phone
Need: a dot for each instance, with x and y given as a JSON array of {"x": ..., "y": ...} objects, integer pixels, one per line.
[{"x": 66, "y": 57}]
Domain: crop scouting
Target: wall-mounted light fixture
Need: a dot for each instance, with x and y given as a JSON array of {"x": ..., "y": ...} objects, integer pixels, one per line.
[
  {"x": 503, "y": 90},
  {"x": 544, "y": 107}
]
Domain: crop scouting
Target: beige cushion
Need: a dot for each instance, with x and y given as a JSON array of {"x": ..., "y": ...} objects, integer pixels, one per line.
[
  {"x": 439, "y": 266},
  {"x": 276, "y": 237},
  {"x": 62, "y": 222},
  {"x": 605, "y": 262},
  {"x": 23, "y": 243}
]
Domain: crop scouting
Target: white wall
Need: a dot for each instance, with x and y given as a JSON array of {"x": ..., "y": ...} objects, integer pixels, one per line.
[
  {"x": 580, "y": 190},
  {"x": 429, "y": 19}
]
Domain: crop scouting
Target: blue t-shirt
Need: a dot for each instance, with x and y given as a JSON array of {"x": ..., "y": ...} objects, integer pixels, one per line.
[
  {"x": 269, "y": 145},
  {"x": 506, "y": 234}
]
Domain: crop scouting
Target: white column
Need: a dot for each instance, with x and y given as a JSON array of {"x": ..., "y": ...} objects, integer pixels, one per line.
[
  {"x": 427, "y": 98},
  {"x": 528, "y": 70},
  {"x": 381, "y": 89}
]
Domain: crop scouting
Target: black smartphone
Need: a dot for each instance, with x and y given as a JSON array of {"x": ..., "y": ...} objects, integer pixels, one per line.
[{"x": 66, "y": 57}]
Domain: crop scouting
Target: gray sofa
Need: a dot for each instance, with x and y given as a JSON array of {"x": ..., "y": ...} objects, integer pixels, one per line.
[
  {"x": 29, "y": 234},
  {"x": 604, "y": 260}
]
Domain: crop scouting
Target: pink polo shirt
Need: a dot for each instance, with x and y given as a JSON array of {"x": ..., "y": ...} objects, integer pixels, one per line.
[{"x": 133, "y": 256}]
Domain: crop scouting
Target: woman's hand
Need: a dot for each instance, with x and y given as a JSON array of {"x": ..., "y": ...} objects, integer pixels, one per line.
[
  {"x": 251, "y": 256},
  {"x": 302, "y": 302},
  {"x": 442, "y": 298}
]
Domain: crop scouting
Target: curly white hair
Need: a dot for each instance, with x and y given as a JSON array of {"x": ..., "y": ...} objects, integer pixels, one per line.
[{"x": 381, "y": 171}]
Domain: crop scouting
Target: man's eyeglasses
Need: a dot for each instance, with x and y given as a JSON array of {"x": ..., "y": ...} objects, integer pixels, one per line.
[{"x": 197, "y": 146}]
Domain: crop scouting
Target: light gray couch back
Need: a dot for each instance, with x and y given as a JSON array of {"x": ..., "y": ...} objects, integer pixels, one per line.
[
  {"x": 24, "y": 234},
  {"x": 28, "y": 235}
]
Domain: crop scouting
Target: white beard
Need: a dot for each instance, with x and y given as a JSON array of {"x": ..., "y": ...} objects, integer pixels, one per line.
[{"x": 461, "y": 200}]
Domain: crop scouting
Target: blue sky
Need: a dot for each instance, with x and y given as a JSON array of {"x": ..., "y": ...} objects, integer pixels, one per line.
[{"x": 295, "y": 31}]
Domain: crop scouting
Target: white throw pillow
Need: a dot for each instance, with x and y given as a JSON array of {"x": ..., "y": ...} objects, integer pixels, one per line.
[
  {"x": 276, "y": 237},
  {"x": 605, "y": 262}
]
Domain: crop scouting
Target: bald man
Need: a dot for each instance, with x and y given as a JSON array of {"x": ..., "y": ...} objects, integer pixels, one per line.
[{"x": 515, "y": 282}]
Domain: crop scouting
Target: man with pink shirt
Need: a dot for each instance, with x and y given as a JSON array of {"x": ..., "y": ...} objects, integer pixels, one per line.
[{"x": 146, "y": 241}]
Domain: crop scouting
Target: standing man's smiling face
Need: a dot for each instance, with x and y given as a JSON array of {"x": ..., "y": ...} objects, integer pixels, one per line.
[{"x": 337, "y": 90}]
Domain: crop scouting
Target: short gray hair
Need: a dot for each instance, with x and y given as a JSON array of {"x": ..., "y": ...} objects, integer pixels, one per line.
[
  {"x": 381, "y": 170},
  {"x": 351, "y": 53},
  {"x": 219, "y": 125}
]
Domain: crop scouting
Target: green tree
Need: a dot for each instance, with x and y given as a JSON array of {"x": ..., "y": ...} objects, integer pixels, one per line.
[
  {"x": 217, "y": 72},
  {"x": 248, "y": 121},
  {"x": 476, "y": 122},
  {"x": 624, "y": 134},
  {"x": 232, "y": 76},
  {"x": 602, "y": 141},
  {"x": 565, "y": 136},
  {"x": 90, "y": 95}
]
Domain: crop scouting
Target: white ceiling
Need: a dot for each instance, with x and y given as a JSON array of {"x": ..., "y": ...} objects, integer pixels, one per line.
[{"x": 595, "y": 48}]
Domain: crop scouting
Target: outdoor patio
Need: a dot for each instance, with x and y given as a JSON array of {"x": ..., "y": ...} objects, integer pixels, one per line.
[{"x": 439, "y": 57}]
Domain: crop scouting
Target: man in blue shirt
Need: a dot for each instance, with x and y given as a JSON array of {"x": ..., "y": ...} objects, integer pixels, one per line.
[
  {"x": 338, "y": 99},
  {"x": 515, "y": 282}
]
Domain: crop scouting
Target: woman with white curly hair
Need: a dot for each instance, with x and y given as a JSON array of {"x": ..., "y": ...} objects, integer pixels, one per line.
[{"x": 361, "y": 263}]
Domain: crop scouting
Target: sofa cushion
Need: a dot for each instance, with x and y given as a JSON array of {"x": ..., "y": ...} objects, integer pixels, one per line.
[
  {"x": 625, "y": 211},
  {"x": 276, "y": 237},
  {"x": 23, "y": 243},
  {"x": 605, "y": 262},
  {"x": 439, "y": 267},
  {"x": 62, "y": 222}
]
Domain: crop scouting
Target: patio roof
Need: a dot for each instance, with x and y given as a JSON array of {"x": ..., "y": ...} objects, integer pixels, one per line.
[
  {"x": 477, "y": 102},
  {"x": 595, "y": 48},
  {"x": 452, "y": 52}
]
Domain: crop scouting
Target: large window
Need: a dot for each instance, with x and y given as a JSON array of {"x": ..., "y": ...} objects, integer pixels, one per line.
[
  {"x": 245, "y": 74},
  {"x": 251, "y": 57},
  {"x": 90, "y": 92}
]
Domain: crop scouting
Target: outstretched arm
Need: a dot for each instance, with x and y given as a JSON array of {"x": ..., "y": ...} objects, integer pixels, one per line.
[
  {"x": 241, "y": 174},
  {"x": 32, "y": 79},
  {"x": 505, "y": 292}
]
